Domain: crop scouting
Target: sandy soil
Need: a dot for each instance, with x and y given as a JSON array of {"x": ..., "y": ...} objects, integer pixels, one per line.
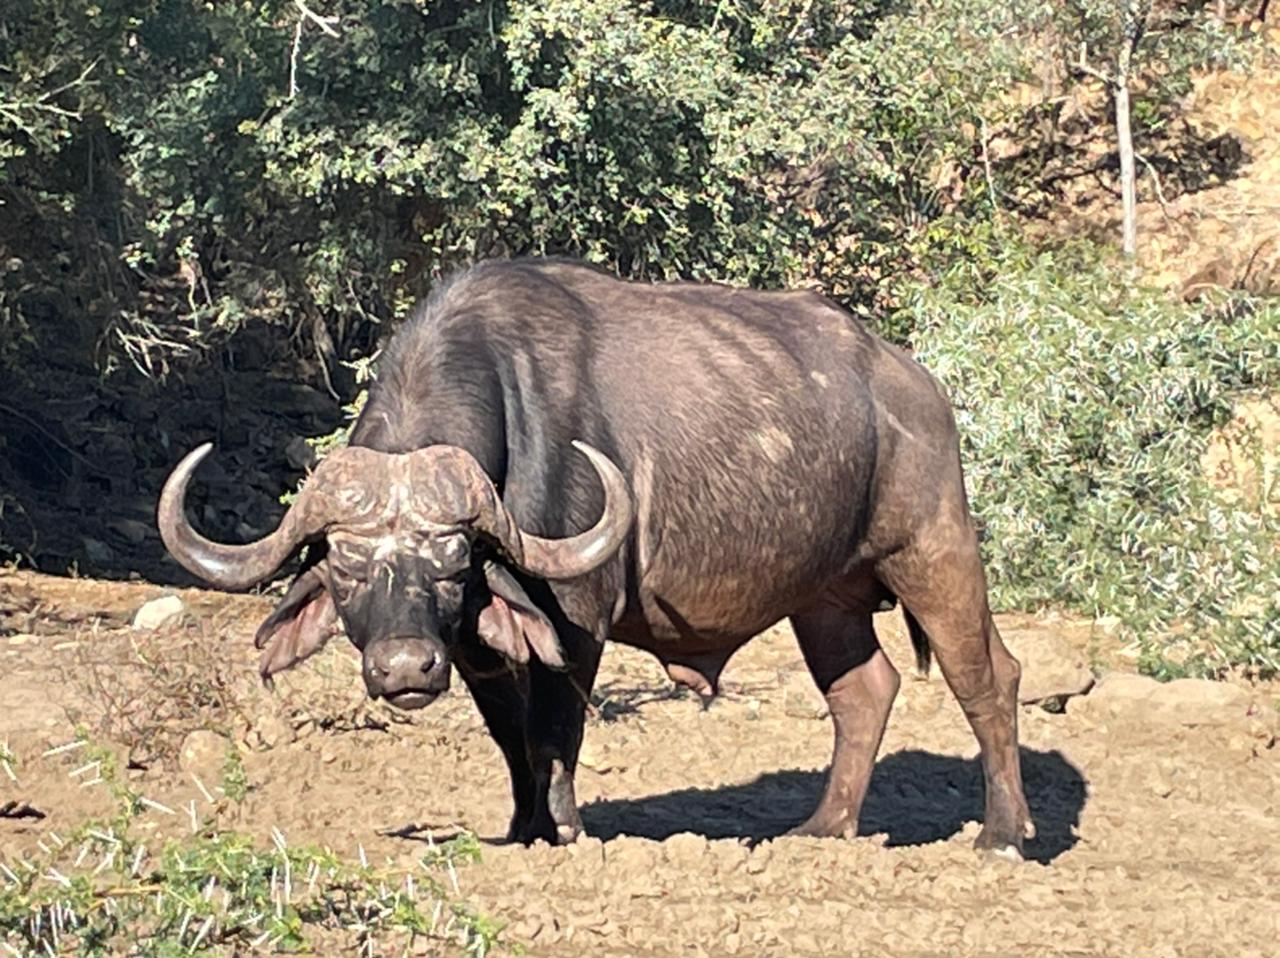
[{"x": 1158, "y": 807}]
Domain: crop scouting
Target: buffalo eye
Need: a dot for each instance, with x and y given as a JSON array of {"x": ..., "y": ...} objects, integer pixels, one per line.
[
  {"x": 449, "y": 595},
  {"x": 451, "y": 551},
  {"x": 344, "y": 580},
  {"x": 348, "y": 567}
]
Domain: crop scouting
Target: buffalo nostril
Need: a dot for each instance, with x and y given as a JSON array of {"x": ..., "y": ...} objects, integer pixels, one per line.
[{"x": 430, "y": 664}]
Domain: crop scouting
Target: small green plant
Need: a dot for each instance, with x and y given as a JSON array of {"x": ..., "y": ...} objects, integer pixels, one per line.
[
  {"x": 235, "y": 781},
  {"x": 110, "y": 887},
  {"x": 463, "y": 848},
  {"x": 8, "y": 762},
  {"x": 103, "y": 764}
]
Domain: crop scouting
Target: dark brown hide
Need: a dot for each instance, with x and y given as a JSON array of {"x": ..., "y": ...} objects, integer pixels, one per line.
[{"x": 784, "y": 462}]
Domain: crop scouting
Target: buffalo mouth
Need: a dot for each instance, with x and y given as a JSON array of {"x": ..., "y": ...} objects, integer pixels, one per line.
[{"x": 410, "y": 700}]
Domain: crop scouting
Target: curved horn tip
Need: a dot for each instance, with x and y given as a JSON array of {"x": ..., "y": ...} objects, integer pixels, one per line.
[
  {"x": 231, "y": 567},
  {"x": 197, "y": 454},
  {"x": 590, "y": 451},
  {"x": 181, "y": 474},
  {"x": 577, "y": 555}
]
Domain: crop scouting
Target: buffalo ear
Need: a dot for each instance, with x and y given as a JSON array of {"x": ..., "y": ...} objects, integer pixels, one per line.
[
  {"x": 301, "y": 624},
  {"x": 512, "y": 624}
]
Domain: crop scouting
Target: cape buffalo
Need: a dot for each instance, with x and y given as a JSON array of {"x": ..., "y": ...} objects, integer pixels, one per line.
[{"x": 552, "y": 456}]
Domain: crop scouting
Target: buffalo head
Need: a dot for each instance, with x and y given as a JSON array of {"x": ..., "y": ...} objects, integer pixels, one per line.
[{"x": 415, "y": 556}]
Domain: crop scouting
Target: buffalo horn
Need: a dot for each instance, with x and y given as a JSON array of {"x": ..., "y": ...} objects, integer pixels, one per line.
[
  {"x": 225, "y": 566},
  {"x": 575, "y": 555}
]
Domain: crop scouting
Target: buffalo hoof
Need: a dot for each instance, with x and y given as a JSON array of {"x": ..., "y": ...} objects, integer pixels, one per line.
[
  {"x": 825, "y": 826},
  {"x": 1005, "y": 842},
  {"x": 544, "y": 831}
]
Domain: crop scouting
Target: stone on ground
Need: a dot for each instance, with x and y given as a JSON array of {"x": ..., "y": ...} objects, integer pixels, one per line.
[
  {"x": 158, "y": 612},
  {"x": 203, "y": 755}
]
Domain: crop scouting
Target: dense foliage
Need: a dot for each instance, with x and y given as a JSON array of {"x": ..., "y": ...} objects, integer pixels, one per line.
[
  {"x": 171, "y": 169},
  {"x": 1084, "y": 407}
]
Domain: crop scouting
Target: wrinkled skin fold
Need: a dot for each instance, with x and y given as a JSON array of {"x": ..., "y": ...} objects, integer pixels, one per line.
[{"x": 551, "y": 457}]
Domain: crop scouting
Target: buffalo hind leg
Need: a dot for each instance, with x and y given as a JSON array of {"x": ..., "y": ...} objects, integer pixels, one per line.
[
  {"x": 940, "y": 580},
  {"x": 859, "y": 683}
]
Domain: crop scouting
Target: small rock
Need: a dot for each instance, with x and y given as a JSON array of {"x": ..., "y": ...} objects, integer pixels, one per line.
[
  {"x": 97, "y": 552},
  {"x": 130, "y": 530},
  {"x": 684, "y": 848},
  {"x": 800, "y": 697},
  {"x": 758, "y": 860},
  {"x": 1193, "y": 693},
  {"x": 203, "y": 755},
  {"x": 594, "y": 758},
  {"x": 1125, "y": 687},
  {"x": 1160, "y": 784},
  {"x": 1051, "y": 669},
  {"x": 299, "y": 453},
  {"x": 1119, "y": 690},
  {"x": 270, "y": 731},
  {"x": 1189, "y": 702},
  {"x": 158, "y": 612}
]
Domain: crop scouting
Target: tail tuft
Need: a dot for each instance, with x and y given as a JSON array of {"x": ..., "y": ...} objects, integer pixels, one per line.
[{"x": 919, "y": 642}]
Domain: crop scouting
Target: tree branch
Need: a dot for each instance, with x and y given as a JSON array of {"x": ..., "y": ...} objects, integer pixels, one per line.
[
  {"x": 986, "y": 167},
  {"x": 1083, "y": 68},
  {"x": 323, "y": 22},
  {"x": 1155, "y": 179}
]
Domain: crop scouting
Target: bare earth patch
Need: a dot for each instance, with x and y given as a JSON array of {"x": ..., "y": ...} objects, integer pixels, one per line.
[{"x": 1158, "y": 806}]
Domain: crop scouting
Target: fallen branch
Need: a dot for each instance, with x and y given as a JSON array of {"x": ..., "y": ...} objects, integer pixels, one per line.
[{"x": 15, "y": 809}]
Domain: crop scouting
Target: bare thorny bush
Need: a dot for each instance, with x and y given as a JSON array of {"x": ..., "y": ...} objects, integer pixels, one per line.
[{"x": 148, "y": 690}]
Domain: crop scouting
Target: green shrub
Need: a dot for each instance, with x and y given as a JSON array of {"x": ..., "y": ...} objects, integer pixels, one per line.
[
  {"x": 226, "y": 164},
  {"x": 1084, "y": 404}
]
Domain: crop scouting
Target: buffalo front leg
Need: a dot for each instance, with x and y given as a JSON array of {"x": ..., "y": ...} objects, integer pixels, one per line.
[
  {"x": 557, "y": 714},
  {"x": 501, "y": 695},
  {"x": 859, "y": 683},
  {"x": 940, "y": 580}
]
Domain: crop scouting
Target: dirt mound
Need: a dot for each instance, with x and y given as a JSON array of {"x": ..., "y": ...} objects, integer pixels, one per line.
[
  {"x": 1226, "y": 236},
  {"x": 1158, "y": 806}
]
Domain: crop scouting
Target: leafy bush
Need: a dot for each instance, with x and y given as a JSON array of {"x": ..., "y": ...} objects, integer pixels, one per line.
[
  {"x": 172, "y": 172},
  {"x": 1085, "y": 404}
]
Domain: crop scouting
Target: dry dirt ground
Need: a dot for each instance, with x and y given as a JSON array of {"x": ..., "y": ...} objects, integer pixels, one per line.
[{"x": 1158, "y": 807}]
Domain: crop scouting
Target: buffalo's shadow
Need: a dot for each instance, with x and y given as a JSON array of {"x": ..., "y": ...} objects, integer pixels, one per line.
[{"x": 915, "y": 798}]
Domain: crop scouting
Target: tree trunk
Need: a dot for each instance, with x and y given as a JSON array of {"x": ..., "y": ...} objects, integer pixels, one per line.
[
  {"x": 1124, "y": 129},
  {"x": 1128, "y": 175}
]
